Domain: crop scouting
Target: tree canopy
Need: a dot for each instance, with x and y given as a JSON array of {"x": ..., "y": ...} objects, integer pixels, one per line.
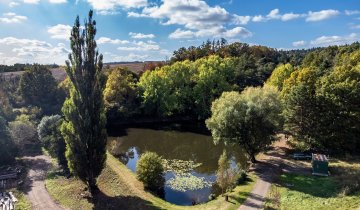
[
  {"x": 249, "y": 119},
  {"x": 38, "y": 88}
]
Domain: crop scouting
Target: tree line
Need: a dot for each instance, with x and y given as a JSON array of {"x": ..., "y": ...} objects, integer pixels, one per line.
[{"x": 21, "y": 67}]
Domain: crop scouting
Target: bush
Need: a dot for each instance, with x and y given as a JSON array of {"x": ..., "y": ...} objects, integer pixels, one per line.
[
  {"x": 241, "y": 176},
  {"x": 226, "y": 176},
  {"x": 51, "y": 138},
  {"x": 23, "y": 132},
  {"x": 150, "y": 171}
]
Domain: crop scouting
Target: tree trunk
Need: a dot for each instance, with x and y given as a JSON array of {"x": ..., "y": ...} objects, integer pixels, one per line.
[
  {"x": 252, "y": 158},
  {"x": 92, "y": 186},
  {"x": 226, "y": 198}
]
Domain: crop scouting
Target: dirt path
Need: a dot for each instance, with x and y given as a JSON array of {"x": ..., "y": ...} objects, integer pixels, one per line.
[
  {"x": 270, "y": 166},
  {"x": 36, "y": 191}
]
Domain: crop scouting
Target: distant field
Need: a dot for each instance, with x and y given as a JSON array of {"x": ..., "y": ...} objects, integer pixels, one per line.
[
  {"x": 59, "y": 73},
  {"x": 135, "y": 67}
]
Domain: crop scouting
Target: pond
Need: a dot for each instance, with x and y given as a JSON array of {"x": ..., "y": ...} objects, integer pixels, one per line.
[{"x": 190, "y": 142}]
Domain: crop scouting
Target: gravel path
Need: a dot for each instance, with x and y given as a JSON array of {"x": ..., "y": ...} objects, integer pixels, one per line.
[{"x": 36, "y": 192}]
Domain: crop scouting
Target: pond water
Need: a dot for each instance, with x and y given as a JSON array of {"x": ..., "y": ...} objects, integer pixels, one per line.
[{"x": 175, "y": 141}]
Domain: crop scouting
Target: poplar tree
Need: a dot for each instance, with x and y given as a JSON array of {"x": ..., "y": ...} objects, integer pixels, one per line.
[{"x": 84, "y": 126}]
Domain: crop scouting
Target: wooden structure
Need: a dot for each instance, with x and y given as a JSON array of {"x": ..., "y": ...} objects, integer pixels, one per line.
[
  {"x": 8, "y": 177},
  {"x": 320, "y": 165}
]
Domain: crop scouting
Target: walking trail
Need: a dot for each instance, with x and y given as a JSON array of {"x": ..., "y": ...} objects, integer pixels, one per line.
[
  {"x": 35, "y": 183},
  {"x": 268, "y": 169}
]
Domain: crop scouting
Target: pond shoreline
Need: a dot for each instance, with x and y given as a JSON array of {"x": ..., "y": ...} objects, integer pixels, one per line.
[
  {"x": 151, "y": 120},
  {"x": 174, "y": 123}
]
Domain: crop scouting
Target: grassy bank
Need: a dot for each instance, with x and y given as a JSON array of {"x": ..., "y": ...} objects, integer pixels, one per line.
[
  {"x": 23, "y": 203},
  {"x": 300, "y": 192},
  {"x": 121, "y": 190}
]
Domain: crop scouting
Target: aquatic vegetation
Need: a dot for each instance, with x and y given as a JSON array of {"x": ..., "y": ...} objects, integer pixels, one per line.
[
  {"x": 184, "y": 180},
  {"x": 187, "y": 181}
]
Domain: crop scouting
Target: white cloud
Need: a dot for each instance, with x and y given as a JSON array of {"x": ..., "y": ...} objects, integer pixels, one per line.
[
  {"x": 310, "y": 16},
  {"x": 110, "y": 6},
  {"x": 217, "y": 32},
  {"x": 111, "y": 57},
  {"x": 258, "y": 18},
  {"x": 299, "y": 43},
  {"x": 57, "y": 1},
  {"x": 136, "y": 15},
  {"x": 241, "y": 20},
  {"x": 275, "y": 15},
  {"x": 335, "y": 40},
  {"x": 31, "y": 50},
  {"x": 23, "y": 42},
  {"x": 106, "y": 40},
  {"x": 238, "y": 31},
  {"x": 31, "y": 1},
  {"x": 60, "y": 31},
  {"x": 321, "y": 15},
  {"x": 290, "y": 16},
  {"x": 141, "y": 36},
  {"x": 140, "y": 46},
  {"x": 196, "y": 16},
  {"x": 13, "y": 4},
  {"x": 181, "y": 34},
  {"x": 11, "y": 17},
  {"x": 352, "y": 12}
]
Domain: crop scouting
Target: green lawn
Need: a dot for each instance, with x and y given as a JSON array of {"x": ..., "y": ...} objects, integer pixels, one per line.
[
  {"x": 310, "y": 192},
  {"x": 121, "y": 190}
]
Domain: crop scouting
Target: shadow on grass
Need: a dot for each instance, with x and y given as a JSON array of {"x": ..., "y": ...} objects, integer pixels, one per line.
[
  {"x": 240, "y": 199},
  {"x": 102, "y": 201},
  {"x": 252, "y": 201},
  {"x": 323, "y": 187}
]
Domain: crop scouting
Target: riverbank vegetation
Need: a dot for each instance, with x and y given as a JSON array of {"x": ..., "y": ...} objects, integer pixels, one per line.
[{"x": 120, "y": 189}]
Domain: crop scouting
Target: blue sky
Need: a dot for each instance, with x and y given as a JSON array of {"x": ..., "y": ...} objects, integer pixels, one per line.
[{"x": 129, "y": 30}]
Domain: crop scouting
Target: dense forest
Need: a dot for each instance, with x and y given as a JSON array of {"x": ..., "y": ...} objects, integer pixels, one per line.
[{"x": 319, "y": 91}]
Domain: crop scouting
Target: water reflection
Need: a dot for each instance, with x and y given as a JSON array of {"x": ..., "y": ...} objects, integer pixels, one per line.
[{"x": 129, "y": 144}]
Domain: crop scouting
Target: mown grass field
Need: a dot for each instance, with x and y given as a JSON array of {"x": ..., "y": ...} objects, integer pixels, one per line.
[
  {"x": 300, "y": 192},
  {"x": 121, "y": 190}
]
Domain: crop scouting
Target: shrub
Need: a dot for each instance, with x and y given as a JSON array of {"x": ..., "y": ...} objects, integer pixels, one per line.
[
  {"x": 226, "y": 176},
  {"x": 50, "y": 136},
  {"x": 23, "y": 132},
  {"x": 241, "y": 176},
  {"x": 150, "y": 171}
]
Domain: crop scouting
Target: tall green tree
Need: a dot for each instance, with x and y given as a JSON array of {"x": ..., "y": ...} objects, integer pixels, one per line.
[
  {"x": 38, "y": 88},
  {"x": 249, "y": 119},
  {"x": 84, "y": 126}
]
